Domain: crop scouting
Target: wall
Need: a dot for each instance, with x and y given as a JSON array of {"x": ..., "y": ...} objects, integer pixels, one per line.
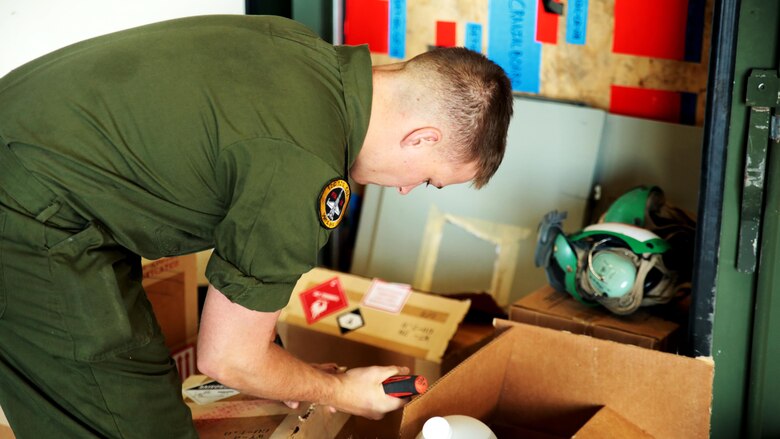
[
  {"x": 637, "y": 152},
  {"x": 36, "y": 27}
]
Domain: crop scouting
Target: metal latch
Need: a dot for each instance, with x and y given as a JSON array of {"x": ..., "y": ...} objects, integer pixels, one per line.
[{"x": 763, "y": 94}]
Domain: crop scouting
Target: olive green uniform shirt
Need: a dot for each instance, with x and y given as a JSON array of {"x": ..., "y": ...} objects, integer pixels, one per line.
[{"x": 207, "y": 131}]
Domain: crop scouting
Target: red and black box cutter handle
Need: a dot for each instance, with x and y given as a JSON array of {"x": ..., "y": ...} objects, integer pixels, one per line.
[{"x": 402, "y": 386}]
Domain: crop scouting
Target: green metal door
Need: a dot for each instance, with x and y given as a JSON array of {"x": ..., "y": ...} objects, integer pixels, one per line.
[{"x": 746, "y": 322}]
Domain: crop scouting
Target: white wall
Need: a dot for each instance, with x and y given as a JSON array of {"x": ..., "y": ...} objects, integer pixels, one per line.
[
  {"x": 31, "y": 28},
  {"x": 637, "y": 152}
]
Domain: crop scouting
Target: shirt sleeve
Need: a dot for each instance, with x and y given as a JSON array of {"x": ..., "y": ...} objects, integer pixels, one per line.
[{"x": 271, "y": 233}]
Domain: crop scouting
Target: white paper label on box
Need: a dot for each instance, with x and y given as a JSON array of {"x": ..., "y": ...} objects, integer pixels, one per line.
[
  {"x": 208, "y": 392},
  {"x": 387, "y": 296},
  {"x": 350, "y": 321}
]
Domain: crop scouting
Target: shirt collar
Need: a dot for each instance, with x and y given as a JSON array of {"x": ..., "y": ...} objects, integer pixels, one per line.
[{"x": 356, "y": 77}]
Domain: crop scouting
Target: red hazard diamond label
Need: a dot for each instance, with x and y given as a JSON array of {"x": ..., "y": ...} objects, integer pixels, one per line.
[{"x": 323, "y": 300}]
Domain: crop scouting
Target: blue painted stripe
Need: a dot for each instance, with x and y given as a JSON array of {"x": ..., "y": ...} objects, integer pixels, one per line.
[
  {"x": 512, "y": 42},
  {"x": 577, "y": 21},
  {"x": 694, "y": 31},
  {"x": 397, "y": 29},
  {"x": 688, "y": 108},
  {"x": 474, "y": 37}
]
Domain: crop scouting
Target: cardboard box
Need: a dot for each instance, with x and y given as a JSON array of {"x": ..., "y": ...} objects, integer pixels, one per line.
[
  {"x": 535, "y": 382},
  {"x": 552, "y": 309},
  {"x": 241, "y": 416},
  {"x": 417, "y": 337},
  {"x": 426, "y": 336},
  {"x": 5, "y": 429},
  {"x": 171, "y": 286}
]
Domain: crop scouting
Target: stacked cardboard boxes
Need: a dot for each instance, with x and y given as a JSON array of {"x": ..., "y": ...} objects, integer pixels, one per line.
[
  {"x": 528, "y": 381},
  {"x": 426, "y": 334},
  {"x": 552, "y": 309}
]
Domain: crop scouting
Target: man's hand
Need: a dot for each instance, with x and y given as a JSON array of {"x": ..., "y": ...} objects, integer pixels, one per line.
[
  {"x": 359, "y": 387},
  {"x": 362, "y": 393},
  {"x": 235, "y": 347}
]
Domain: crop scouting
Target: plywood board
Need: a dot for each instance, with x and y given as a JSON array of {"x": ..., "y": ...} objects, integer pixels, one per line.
[{"x": 570, "y": 72}]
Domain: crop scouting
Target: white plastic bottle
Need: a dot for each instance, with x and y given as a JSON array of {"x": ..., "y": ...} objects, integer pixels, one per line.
[{"x": 455, "y": 427}]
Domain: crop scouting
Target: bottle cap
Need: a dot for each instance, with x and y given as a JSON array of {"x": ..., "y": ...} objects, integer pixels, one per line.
[{"x": 436, "y": 428}]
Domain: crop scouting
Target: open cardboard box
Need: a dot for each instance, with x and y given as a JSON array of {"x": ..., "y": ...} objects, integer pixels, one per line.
[{"x": 535, "y": 382}]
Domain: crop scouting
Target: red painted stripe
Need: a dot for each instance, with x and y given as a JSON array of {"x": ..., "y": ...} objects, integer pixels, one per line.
[
  {"x": 646, "y": 103},
  {"x": 546, "y": 25},
  {"x": 651, "y": 28},
  {"x": 445, "y": 34},
  {"x": 366, "y": 22}
]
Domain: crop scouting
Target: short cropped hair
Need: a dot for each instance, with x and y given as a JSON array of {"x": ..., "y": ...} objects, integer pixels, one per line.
[{"x": 475, "y": 96}]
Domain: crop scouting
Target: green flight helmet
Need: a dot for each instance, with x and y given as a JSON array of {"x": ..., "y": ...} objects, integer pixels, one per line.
[
  {"x": 611, "y": 274},
  {"x": 566, "y": 259},
  {"x": 632, "y": 206},
  {"x": 639, "y": 240},
  {"x": 555, "y": 253}
]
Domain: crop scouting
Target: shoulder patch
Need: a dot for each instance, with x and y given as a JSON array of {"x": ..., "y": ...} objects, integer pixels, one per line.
[{"x": 333, "y": 202}]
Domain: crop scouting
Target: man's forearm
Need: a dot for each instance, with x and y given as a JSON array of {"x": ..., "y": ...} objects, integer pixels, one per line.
[
  {"x": 235, "y": 347},
  {"x": 274, "y": 374},
  {"x": 239, "y": 352}
]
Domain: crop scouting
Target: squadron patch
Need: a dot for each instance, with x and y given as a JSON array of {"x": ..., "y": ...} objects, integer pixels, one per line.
[{"x": 333, "y": 202}]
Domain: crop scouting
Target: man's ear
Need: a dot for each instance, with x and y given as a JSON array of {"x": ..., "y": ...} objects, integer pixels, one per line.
[{"x": 422, "y": 136}]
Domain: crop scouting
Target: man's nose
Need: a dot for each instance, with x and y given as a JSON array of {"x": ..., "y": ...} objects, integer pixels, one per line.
[{"x": 403, "y": 190}]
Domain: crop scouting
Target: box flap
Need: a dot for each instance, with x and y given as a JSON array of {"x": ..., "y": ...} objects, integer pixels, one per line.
[
  {"x": 608, "y": 424},
  {"x": 422, "y": 329}
]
